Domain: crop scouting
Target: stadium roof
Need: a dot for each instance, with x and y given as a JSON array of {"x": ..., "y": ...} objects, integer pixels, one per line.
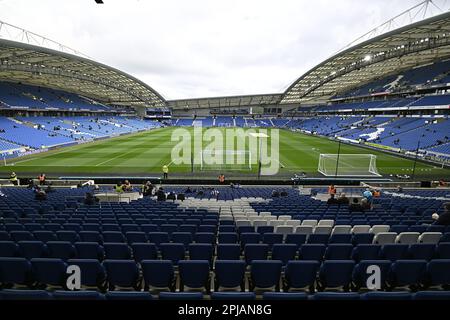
[
  {"x": 35, "y": 65},
  {"x": 416, "y": 44},
  {"x": 226, "y": 102}
]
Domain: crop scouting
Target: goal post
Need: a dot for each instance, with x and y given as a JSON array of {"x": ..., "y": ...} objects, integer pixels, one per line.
[
  {"x": 348, "y": 165},
  {"x": 226, "y": 160}
]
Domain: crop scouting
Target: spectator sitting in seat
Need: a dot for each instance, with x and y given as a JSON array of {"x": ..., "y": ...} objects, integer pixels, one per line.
[
  {"x": 366, "y": 204},
  {"x": 40, "y": 194},
  {"x": 332, "y": 200},
  {"x": 161, "y": 195},
  {"x": 399, "y": 189},
  {"x": 215, "y": 194},
  {"x": 127, "y": 187},
  {"x": 188, "y": 190},
  {"x": 355, "y": 206},
  {"x": 443, "y": 219},
  {"x": 275, "y": 194},
  {"x": 171, "y": 196},
  {"x": 343, "y": 199}
]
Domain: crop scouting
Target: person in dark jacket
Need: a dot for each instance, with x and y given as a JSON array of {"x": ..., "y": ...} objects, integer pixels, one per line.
[
  {"x": 332, "y": 200},
  {"x": 443, "y": 219},
  {"x": 355, "y": 206}
]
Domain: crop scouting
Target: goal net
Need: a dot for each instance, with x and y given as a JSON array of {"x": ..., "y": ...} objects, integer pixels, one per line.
[
  {"x": 224, "y": 160},
  {"x": 348, "y": 165}
]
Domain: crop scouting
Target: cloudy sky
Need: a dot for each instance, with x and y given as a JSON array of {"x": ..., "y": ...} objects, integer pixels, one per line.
[{"x": 203, "y": 48}]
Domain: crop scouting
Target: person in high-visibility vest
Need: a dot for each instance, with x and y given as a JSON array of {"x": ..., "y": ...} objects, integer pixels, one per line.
[
  {"x": 221, "y": 179},
  {"x": 13, "y": 179},
  {"x": 165, "y": 169},
  {"x": 41, "y": 179},
  {"x": 332, "y": 190},
  {"x": 118, "y": 188}
]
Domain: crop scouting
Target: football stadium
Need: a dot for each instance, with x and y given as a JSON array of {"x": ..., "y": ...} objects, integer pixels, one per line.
[{"x": 336, "y": 188}]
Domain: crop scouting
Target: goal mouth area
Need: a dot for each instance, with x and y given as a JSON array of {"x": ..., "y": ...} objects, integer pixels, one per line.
[
  {"x": 229, "y": 160},
  {"x": 348, "y": 165}
]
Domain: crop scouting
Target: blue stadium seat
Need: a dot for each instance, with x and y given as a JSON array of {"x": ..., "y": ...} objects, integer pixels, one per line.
[
  {"x": 312, "y": 252},
  {"x": 181, "y": 296},
  {"x": 113, "y": 237},
  {"x": 69, "y": 236},
  {"x": 297, "y": 296},
  {"x": 49, "y": 272},
  {"x": 173, "y": 252},
  {"x": 407, "y": 273},
  {"x": 438, "y": 274},
  {"x": 201, "y": 251},
  {"x": 93, "y": 273},
  {"x": 443, "y": 250},
  {"x": 249, "y": 238},
  {"x": 334, "y": 296},
  {"x": 366, "y": 252},
  {"x": 44, "y": 236},
  {"x": 360, "y": 274},
  {"x": 158, "y": 274},
  {"x": 341, "y": 239},
  {"x": 128, "y": 296},
  {"x": 336, "y": 274},
  {"x": 21, "y": 236},
  {"x": 32, "y": 249},
  {"x": 117, "y": 251},
  {"x": 77, "y": 295},
  {"x": 394, "y": 252},
  {"x": 15, "y": 271},
  {"x": 8, "y": 249},
  {"x": 91, "y": 236},
  {"x": 231, "y": 296},
  {"x": 55, "y": 227},
  {"x": 228, "y": 237},
  {"x": 194, "y": 275},
  {"x": 92, "y": 227},
  {"x": 144, "y": 251},
  {"x": 376, "y": 295},
  {"x": 265, "y": 229},
  {"x": 318, "y": 239},
  {"x": 20, "y": 294},
  {"x": 300, "y": 275},
  {"x": 363, "y": 238},
  {"x": 265, "y": 275},
  {"x": 158, "y": 237},
  {"x": 271, "y": 239},
  {"x": 338, "y": 252},
  {"x": 122, "y": 274},
  {"x": 284, "y": 252},
  {"x": 422, "y": 251},
  {"x": 297, "y": 239},
  {"x": 255, "y": 252},
  {"x": 60, "y": 249},
  {"x": 229, "y": 275},
  {"x": 432, "y": 295},
  {"x": 4, "y": 236},
  {"x": 136, "y": 237},
  {"x": 130, "y": 228},
  {"x": 205, "y": 237},
  {"x": 228, "y": 252},
  {"x": 147, "y": 228},
  {"x": 182, "y": 237},
  {"x": 89, "y": 250}
]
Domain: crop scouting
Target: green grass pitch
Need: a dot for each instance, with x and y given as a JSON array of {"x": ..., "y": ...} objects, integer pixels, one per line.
[{"x": 144, "y": 154}]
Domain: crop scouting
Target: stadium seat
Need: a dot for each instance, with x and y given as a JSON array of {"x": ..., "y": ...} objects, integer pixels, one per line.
[
  {"x": 338, "y": 252},
  {"x": 20, "y": 294},
  {"x": 4, "y": 236},
  {"x": 181, "y": 296},
  {"x": 432, "y": 295},
  {"x": 173, "y": 252},
  {"x": 296, "y": 296},
  {"x": 67, "y": 236},
  {"x": 341, "y": 229},
  {"x": 297, "y": 239},
  {"x": 201, "y": 251},
  {"x": 362, "y": 238},
  {"x": 91, "y": 236},
  {"x": 376, "y": 229},
  {"x": 438, "y": 274},
  {"x": 407, "y": 273},
  {"x": 407, "y": 238},
  {"x": 49, "y": 272},
  {"x": 144, "y": 251},
  {"x": 265, "y": 275},
  {"x": 314, "y": 252},
  {"x": 323, "y": 230},
  {"x": 136, "y": 237},
  {"x": 443, "y": 250},
  {"x": 159, "y": 275},
  {"x": 357, "y": 229},
  {"x": 430, "y": 237},
  {"x": 128, "y": 296},
  {"x": 229, "y": 275},
  {"x": 205, "y": 237},
  {"x": 93, "y": 273},
  {"x": 360, "y": 274},
  {"x": 336, "y": 274},
  {"x": 336, "y": 296},
  {"x": 15, "y": 271},
  {"x": 249, "y": 238},
  {"x": 21, "y": 236},
  {"x": 44, "y": 236},
  {"x": 422, "y": 251},
  {"x": 300, "y": 275},
  {"x": 113, "y": 237},
  {"x": 194, "y": 275},
  {"x": 158, "y": 237},
  {"x": 89, "y": 250},
  {"x": 304, "y": 230},
  {"x": 231, "y": 296},
  {"x": 228, "y": 237},
  {"x": 117, "y": 251},
  {"x": 385, "y": 238},
  {"x": 394, "y": 252},
  {"x": 228, "y": 252},
  {"x": 122, "y": 274},
  {"x": 77, "y": 295},
  {"x": 341, "y": 239},
  {"x": 318, "y": 239},
  {"x": 376, "y": 295},
  {"x": 255, "y": 252},
  {"x": 32, "y": 249},
  {"x": 284, "y": 252},
  {"x": 8, "y": 249},
  {"x": 60, "y": 249},
  {"x": 272, "y": 238}
]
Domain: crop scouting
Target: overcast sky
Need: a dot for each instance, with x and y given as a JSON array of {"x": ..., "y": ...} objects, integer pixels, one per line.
[{"x": 204, "y": 48}]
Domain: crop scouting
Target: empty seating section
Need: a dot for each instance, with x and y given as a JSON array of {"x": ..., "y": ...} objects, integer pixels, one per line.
[{"x": 246, "y": 242}]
